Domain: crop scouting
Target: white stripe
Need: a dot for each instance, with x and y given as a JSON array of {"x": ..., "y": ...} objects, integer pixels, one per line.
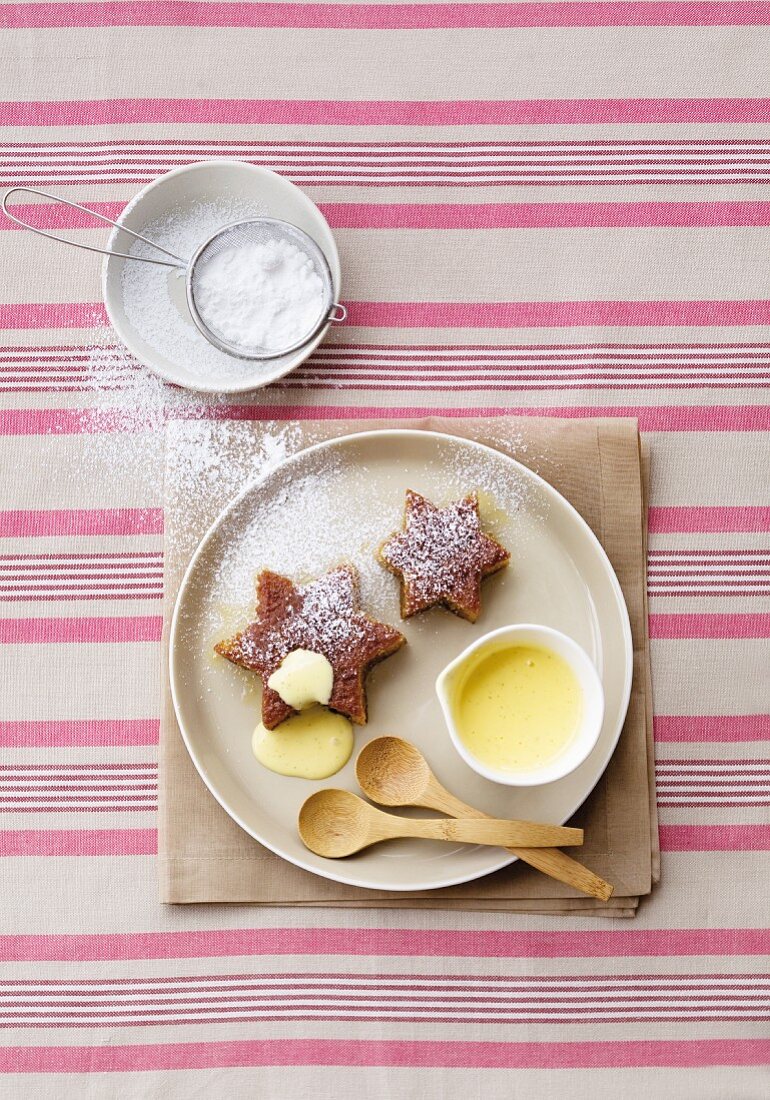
[
  {"x": 710, "y": 769},
  {"x": 706, "y": 587},
  {"x": 731, "y": 356},
  {"x": 197, "y": 1015},
  {"x": 715, "y": 791},
  {"x": 426, "y": 1004},
  {"x": 18, "y": 781},
  {"x": 83, "y": 565},
  {"x": 681, "y": 369}
]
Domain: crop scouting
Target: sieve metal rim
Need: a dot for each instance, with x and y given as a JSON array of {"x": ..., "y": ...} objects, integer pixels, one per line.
[{"x": 329, "y": 312}]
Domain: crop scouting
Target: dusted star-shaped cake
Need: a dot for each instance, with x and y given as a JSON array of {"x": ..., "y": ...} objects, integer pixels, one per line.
[
  {"x": 442, "y": 556},
  {"x": 324, "y": 617}
]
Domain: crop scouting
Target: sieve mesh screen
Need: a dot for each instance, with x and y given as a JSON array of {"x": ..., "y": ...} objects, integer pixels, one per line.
[{"x": 244, "y": 236}]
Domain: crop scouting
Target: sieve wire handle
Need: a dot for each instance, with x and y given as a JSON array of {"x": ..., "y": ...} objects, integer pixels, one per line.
[{"x": 87, "y": 247}]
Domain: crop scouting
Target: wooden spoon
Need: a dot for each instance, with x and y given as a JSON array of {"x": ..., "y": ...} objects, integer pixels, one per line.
[
  {"x": 337, "y": 823},
  {"x": 393, "y": 772}
]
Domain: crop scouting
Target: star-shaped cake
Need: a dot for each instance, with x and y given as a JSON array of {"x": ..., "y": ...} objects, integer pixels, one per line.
[
  {"x": 323, "y": 616},
  {"x": 442, "y": 556}
]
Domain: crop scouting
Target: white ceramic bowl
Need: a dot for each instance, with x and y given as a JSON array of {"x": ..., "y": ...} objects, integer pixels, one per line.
[
  {"x": 206, "y": 182},
  {"x": 590, "y": 684}
]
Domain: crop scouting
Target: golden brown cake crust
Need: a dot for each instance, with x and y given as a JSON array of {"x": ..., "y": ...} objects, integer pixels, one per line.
[
  {"x": 322, "y": 616},
  {"x": 442, "y": 556}
]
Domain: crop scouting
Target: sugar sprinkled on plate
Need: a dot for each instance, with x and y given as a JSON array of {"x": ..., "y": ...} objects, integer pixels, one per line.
[{"x": 301, "y": 528}]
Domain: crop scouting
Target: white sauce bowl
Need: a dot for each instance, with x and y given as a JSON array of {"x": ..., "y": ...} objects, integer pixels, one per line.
[{"x": 530, "y": 634}]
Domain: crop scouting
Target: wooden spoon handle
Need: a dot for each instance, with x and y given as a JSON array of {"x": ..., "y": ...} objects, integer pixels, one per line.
[
  {"x": 550, "y": 861},
  {"x": 486, "y": 830},
  {"x": 565, "y": 869}
]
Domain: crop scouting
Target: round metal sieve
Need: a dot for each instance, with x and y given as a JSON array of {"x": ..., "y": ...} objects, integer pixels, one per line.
[{"x": 243, "y": 234}]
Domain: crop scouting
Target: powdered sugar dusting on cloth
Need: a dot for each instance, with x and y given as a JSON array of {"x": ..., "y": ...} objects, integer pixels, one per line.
[
  {"x": 123, "y": 427},
  {"x": 124, "y": 430}
]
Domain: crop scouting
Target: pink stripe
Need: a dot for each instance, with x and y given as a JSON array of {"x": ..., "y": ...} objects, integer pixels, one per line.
[
  {"x": 715, "y": 838},
  {"x": 20, "y": 580},
  {"x": 556, "y": 314},
  {"x": 51, "y": 216},
  {"x": 712, "y": 727},
  {"x": 502, "y": 159},
  {"x": 301, "y": 381},
  {"x": 456, "y": 1054},
  {"x": 551, "y": 173},
  {"x": 39, "y": 995},
  {"x": 20, "y": 523},
  {"x": 660, "y": 418},
  {"x": 30, "y": 315},
  {"x": 669, "y": 520},
  {"x": 457, "y": 314},
  {"x": 526, "y": 112},
  {"x": 530, "y": 215},
  {"x": 29, "y": 734},
  {"x": 545, "y": 215},
  {"x": 499, "y": 984},
  {"x": 710, "y": 626},
  {"x": 666, "y": 418},
  {"x": 191, "y": 13},
  {"x": 78, "y": 842},
  {"x": 394, "y": 942},
  {"x": 683, "y": 558},
  {"x": 41, "y": 631}
]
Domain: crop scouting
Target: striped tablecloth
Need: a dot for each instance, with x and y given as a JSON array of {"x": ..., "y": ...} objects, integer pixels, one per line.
[{"x": 551, "y": 206}]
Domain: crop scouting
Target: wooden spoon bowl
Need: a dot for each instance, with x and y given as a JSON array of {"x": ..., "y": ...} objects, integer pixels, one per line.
[
  {"x": 334, "y": 823},
  {"x": 392, "y": 772}
]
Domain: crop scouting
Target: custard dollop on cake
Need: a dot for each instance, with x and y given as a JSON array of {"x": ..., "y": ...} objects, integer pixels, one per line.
[
  {"x": 442, "y": 556},
  {"x": 323, "y": 617}
]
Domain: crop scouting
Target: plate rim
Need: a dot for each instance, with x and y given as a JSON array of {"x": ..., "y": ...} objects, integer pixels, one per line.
[{"x": 382, "y": 433}]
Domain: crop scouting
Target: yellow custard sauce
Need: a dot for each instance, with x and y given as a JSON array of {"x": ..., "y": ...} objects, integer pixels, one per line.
[
  {"x": 312, "y": 745},
  {"x": 517, "y": 708}
]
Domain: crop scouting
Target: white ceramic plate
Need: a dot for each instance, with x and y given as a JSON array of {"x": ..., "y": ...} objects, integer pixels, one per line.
[
  {"x": 338, "y": 501},
  {"x": 179, "y": 191}
]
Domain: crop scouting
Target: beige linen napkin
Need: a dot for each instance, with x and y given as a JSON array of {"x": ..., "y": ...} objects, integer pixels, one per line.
[{"x": 203, "y": 856}]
